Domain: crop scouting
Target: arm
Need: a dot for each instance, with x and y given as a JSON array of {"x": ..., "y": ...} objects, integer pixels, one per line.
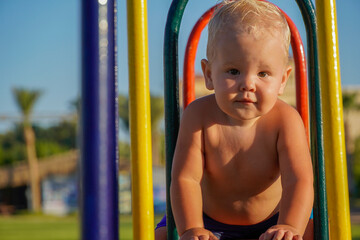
[
  {"x": 187, "y": 171},
  {"x": 296, "y": 173},
  {"x": 296, "y": 176}
]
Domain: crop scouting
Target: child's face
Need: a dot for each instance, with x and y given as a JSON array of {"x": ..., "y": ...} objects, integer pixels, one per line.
[{"x": 247, "y": 73}]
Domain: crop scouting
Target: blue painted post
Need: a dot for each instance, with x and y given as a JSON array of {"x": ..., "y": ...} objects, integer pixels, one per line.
[{"x": 98, "y": 124}]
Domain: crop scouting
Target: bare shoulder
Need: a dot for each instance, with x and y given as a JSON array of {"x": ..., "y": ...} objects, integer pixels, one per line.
[
  {"x": 286, "y": 115},
  {"x": 200, "y": 103},
  {"x": 200, "y": 107}
]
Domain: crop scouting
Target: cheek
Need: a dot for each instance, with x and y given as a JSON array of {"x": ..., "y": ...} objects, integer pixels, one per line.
[
  {"x": 226, "y": 86},
  {"x": 272, "y": 88},
  {"x": 268, "y": 93}
]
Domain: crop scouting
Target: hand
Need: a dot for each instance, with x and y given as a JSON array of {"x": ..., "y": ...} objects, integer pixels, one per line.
[
  {"x": 198, "y": 234},
  {"x": 281, "y": 232}
]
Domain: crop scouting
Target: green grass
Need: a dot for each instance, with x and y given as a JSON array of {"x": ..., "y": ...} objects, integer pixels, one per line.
[
  {"x": 126, "y": 226},
  {"x": 42, "y": 227},
  {"x": 355, "y": 231},
  {"x": 38, "y": 227}
]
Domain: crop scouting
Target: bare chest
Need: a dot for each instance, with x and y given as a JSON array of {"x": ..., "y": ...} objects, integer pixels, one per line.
[{"x": 246, "y": 156}]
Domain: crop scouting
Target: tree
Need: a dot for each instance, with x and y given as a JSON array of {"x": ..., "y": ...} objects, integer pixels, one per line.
[
  {"x": 12, "y": 146},
  {"x": 25, "y": 100},
  {"x": 55, "y": 139},
  {"x": 124, "y": 116},
  {"x": 356, "y": 168},
  {"x": 124, "y": 150},
  {"x": 50, "y": 140},
  {"x": 157, "y": 114},
  {"x": 349, "y": 104},
  {"x": 75, "y": 106},
  {"x": 123, "y": 110}
]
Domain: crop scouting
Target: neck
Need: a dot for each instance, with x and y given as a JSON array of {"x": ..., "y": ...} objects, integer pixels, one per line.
[{"x": 242, "y": 123}]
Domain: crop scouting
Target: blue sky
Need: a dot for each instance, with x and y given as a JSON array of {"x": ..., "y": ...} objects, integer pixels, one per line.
[{"x": 40, "y": 47}]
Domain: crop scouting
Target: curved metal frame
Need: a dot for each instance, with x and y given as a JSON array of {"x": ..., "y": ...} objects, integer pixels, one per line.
[
  {"x": 171, "y": 97},
  {"x": 190, "y": 55},
  {"x": 316, "y": 127}
]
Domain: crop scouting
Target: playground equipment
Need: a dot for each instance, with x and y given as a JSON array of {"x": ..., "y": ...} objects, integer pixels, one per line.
[
  {"x": 99, "y": 165},
  {"x": 341, "y": 208},
  {"x": 99, "y": 189},
  {"x": 334, "y": 144},
  {"x": 98, "y": 139},
  {"x": 140, "y": 127}
]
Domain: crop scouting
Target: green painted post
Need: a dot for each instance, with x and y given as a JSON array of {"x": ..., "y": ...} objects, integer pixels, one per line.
[
  {"x": 172, "y": 110},
  {"x": 317, "y": 149}
]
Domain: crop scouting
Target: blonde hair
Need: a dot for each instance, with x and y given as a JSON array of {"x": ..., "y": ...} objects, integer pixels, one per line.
[{"x": 248, "y": 16}]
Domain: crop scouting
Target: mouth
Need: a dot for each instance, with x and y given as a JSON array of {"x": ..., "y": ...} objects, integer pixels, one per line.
[{"x": 245, "y": 100}]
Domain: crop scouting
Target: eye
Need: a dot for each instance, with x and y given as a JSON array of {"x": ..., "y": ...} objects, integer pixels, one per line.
[
  {"x": 263, "y": 74},
  {"x": 233, "y": 71}
]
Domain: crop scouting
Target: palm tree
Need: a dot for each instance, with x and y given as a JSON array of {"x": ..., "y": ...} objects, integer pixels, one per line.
[
  {"x": 124, "y": 114},
  {"x": 157, "y": 114},
  {"x": 26, "y": 99},
  {"x": 349, "y": 104}
]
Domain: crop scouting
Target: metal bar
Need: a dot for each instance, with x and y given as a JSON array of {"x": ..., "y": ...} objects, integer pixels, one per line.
[
  {"x": 98, "y": 138},
  {"x": 302, "y": 95},
  {"x": 171, "y": 93},
  {"x": 321, "y": 230},
  {"x": 190, "y": 55},
  {"x": 334, "y": 144},
  {"x": 140, "y": 121}
]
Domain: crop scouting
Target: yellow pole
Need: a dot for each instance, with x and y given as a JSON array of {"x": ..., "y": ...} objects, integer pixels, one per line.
[
  {"x": 140, "y": 127},
  {"x": 334, "y": 144}
]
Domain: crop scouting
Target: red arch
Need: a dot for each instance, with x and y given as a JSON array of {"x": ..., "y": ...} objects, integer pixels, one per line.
[{"x": 190, "y": 54}]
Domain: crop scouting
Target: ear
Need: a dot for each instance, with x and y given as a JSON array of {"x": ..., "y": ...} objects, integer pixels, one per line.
[
  {"x": 205, "y": 65},
  {"x": 284, "y": 79}
]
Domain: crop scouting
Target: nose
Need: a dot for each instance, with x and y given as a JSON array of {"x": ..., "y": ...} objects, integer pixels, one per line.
[{"x": 247, "y": 83}]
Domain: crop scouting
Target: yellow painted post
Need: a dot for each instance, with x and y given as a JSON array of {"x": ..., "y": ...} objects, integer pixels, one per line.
[
  {"x": 334, "y": 143},
  {"x": 140, "y": 127}
]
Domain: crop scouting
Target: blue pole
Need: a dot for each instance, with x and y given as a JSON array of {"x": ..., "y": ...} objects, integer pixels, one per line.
[{"x": 98, "y": 124}]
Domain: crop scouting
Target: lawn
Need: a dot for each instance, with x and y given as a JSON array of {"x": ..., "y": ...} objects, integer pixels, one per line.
[
  {"x": 355, "y": 230},
  {"x": 41, "y": 227},
  {"x": 38, "y": 227},
  {"x": 126, "y": 226}
]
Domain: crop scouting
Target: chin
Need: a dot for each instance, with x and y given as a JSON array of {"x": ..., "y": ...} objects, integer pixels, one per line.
[{"x": 245, "y": 117}]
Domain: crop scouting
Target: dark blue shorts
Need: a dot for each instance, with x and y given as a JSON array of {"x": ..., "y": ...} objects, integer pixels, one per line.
[{"x": 225, "y": 231}]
